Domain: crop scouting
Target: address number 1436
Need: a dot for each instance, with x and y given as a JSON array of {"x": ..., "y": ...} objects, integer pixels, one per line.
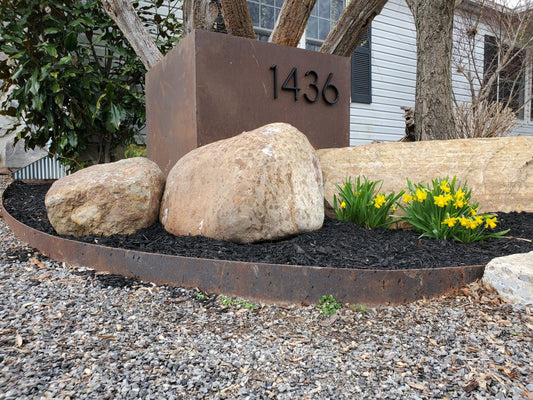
[{"x": 328, "y": 91}]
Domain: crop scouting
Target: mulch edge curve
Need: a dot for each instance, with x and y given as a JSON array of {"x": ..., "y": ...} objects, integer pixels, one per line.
[{"x": 266, "y": 283}]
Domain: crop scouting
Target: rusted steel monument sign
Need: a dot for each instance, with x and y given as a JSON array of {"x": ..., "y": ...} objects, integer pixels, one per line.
[{"x": 214, "y": 86}]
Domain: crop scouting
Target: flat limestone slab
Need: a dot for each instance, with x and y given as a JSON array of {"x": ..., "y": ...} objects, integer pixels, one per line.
[
  {"x": 512, "y": 277},
  {"x": 498, "y": 170}
]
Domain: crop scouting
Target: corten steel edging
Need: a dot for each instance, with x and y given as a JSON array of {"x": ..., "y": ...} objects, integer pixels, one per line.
[{"x": 269, "y": 283}]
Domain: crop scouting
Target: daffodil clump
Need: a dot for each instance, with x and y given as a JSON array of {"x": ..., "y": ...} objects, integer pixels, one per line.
[
  {"x": 445, "y": 210},
  {"x": 362, "y": 203}
]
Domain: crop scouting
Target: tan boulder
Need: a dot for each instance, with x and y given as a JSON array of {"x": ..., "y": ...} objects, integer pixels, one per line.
[
  {"x": 498, "y": 170},
  {"x": 106, "y": 199},
  {"x": 260, "y": 185}
]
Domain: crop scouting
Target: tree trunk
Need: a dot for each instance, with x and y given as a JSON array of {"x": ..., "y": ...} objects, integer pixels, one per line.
[
  {"x": 433, "y": 97},
  {"x": 237, "y": 18},
  {"x": 351, "y": 27},
  {"x": 199, "y": 14},
  {"x": 124, "y": 15},
  {"x": 291, "y": 22}
]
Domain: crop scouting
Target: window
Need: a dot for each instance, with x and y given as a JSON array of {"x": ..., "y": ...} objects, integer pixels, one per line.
[
  {"x": 323, "y": 17},
  {"x": 325, "y": 13},
  {"x": 264, "y": 14},
  {"x": 509, "y": 86}
]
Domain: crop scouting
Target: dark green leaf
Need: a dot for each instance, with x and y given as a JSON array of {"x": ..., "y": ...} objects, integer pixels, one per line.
[
  {"x": 54, "y": 87},
  {"x": 65, "y": 60},
  {"x": 72, "y": 139},
  {"x": 115, "y": 117},
  {"x": 51, "y": 31},
  {"x": 71, "y": 41},
  {"x": 35, "y": 84},
  {"x": 59, "y": 99}
]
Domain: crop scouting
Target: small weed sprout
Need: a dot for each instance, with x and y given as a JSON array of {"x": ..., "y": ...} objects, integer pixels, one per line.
[
  {"x": 229, "y": 302},
  {"x": 360, "y": 308},
  {"x": 328, "y": 305},
  {"x": 200, "y": 296},
  {"x": 135, "y": 150}
]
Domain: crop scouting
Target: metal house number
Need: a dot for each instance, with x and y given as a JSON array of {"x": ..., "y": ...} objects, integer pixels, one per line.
[{"x": 328, "y": 91}]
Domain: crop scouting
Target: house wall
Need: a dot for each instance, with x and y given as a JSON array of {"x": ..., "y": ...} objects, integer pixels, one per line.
[
  {"x": 460, "y": 83},
  {"x": 393, "y": 47},
  {"x": 394, "y": 78}
]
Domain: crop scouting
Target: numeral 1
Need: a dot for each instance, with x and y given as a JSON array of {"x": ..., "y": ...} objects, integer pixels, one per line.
[{"x": 274, "y": 68}]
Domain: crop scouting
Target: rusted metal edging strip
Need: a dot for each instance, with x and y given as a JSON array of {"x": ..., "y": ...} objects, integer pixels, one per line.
[{"x": 268, "y": 283}]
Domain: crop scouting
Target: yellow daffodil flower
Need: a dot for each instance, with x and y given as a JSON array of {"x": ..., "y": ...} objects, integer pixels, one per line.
[
  {"x": 379, "y": 200},
  {"x": 440, "y": 201},
  {"x": 458, "y": 203},
  {"x": 444, "y": 186},
  {"x": 460, "y": 195},
  {"x": 464, "y": 221},
  {"x": 473, "y": 224},
  {"x": 450, "y": 222},
  {"x": 407, "y": 198},
  {"x": 491, "y": 222},
  {"x": 473, "y": 212},
  {"x": 343, "y": 204},
  {"x": 421, "y": 195}
]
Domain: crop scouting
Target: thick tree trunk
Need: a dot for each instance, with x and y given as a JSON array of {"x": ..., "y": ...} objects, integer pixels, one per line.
[
  {"x": 199, "y": 14},
  {"x": 433, "y": 98},
  {"x": 124, "y": 15},
  {"x": 237, "y": 18},
  {"x": 291, "y": 22},
  {"x": 351, "y": 27}
]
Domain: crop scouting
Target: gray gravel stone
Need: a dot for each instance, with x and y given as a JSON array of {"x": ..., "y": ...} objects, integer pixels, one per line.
[{"x": 66, "y": 332}]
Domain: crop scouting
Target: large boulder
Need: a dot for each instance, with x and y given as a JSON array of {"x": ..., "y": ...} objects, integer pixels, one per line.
[
  {"x": 106, "y": 199},
  {"x": 260, "y": 185},
  {"x": 512, "y": 277},
  {"x": 498, "y": 170}
]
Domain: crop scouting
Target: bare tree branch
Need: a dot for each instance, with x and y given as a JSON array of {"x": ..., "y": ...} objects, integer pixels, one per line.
[
  {"x": 237, "y": 18},
  {"x": 291, "y": 22},
  {"x": 351, "y": 27},
  {"x": 199, "y": 14},
  {"x": 124, "y": 15}
]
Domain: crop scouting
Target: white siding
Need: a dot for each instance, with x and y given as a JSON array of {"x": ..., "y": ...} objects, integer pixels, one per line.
[
  {"x": 394, "y": 78},
  {"x": 393, "y": 48},
  {"x": 461, "y": 89}
]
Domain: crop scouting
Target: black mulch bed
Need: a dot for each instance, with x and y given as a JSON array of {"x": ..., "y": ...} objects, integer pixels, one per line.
[{"x": 337, "y": 244}]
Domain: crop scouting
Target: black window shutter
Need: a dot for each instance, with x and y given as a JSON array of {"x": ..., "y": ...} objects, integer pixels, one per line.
[
  {"x": 362, "y": 71},
  {"x": 490, "y": 64}
]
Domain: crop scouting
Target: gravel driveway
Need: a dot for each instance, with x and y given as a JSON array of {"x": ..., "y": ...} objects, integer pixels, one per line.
[{"x": 68, "y": 333}]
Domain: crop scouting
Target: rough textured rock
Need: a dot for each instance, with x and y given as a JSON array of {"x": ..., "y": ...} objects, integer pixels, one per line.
[
  {"x": 498, "y": 170},
  {"x": 260, "y": 185},
  {"x": 512, "y": 277},
  {"x": 106, "y": 199}
]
